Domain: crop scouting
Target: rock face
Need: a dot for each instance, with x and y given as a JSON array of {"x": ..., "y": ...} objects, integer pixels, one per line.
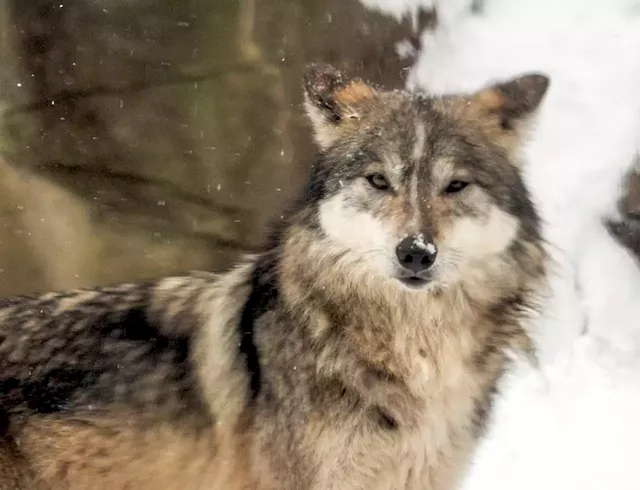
[
  {"x": 632, "y": 202},
  {"x": 628, "y": 229},
  {"x": 152, "y": 137}
]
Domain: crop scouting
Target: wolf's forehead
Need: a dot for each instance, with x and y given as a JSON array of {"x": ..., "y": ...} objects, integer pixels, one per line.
[{"x": 422, "y": 148}]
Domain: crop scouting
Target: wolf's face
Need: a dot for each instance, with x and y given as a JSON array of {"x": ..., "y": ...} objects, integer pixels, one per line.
[{"x": 421, "y": 189}]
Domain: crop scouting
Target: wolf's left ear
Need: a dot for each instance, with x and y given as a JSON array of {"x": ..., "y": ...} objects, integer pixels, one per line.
[
  {"x": 505, "y": 109},
  {"x": 333, "y": 103}
]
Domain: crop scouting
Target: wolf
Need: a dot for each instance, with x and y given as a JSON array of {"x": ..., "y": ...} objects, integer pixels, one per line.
[{"x": 359, "y": 350}]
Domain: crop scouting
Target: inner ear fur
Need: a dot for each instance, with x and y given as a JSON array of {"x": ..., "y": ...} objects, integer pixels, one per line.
[
  {"x": 504, "y": 110},
  {"x": 332, "y": 101}
]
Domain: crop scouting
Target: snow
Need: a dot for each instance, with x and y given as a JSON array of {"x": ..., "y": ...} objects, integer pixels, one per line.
[
  {"x": 574, "y": 423},
  {"x": 419, "y": 242}
]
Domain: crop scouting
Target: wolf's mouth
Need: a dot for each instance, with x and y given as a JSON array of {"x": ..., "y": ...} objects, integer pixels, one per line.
[{"x": 414, "y": 282}]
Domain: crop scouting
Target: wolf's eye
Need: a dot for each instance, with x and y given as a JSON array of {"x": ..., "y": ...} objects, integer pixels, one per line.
[
  {"x": 455, "y": 186},
  {"x": 378, "y": 181}
]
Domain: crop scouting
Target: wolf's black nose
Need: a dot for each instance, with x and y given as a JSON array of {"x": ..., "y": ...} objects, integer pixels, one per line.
[{"x": 416, "y": 254}]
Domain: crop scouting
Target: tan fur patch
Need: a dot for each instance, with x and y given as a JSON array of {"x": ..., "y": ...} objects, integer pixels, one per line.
[
  {"x": 489, "y": 99},
  {"x": 118, "y": 452},
  {"x": 481, "y": 111},
  {"x": 223, "y": 384},
  {"x": 13, "y": 471},
  {"x": 354, "y": 93}
]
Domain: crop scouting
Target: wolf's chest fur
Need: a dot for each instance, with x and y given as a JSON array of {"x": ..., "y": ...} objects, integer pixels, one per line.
[
  {"x": 398, "y": 394},
  {"x": 411, "y": 431}
]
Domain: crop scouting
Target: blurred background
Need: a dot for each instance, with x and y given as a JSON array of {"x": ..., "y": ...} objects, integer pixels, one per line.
[{"x": 151, "y": 137}]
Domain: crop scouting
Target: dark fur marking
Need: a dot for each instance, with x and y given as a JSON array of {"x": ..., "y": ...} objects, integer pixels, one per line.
[
  {"x": 134, "y": 326},
  {"x": 52, "y": 393},
  {"x": 386, "y": 421},
  {"x": 4, "y": 425},
  {"x": 512, "y": 306},
  {"x": 10, "y": 393},
  {"x": 114, "y": 349},
  {"x": 263, "y": 295},
  {"x": 482, "y": 411}
]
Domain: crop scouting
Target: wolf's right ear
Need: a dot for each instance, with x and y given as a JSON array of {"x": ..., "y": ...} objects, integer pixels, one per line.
[
  {"x": 505, "y": 109},
  {"x": 333, "y": 102}
]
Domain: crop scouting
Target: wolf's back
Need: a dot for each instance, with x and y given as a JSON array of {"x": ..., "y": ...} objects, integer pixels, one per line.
[{"x": 62, "y": 352}]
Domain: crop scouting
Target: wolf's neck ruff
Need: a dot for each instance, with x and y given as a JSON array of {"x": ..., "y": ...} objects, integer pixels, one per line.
[
  {"x": 384, "y": 331},
  {"x": 419, "y": 367}
]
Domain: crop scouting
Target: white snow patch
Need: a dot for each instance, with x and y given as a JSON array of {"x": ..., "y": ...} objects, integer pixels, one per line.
[
  {"x": 419, "y": 242},
  {"x": 405, "y": 49},
  {"x": 448, "y": 10}
]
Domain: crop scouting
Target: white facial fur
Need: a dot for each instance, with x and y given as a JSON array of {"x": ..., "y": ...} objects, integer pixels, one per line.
[
  {"x": 467, "y": 242},
  {"x": 360, "y": 232},
  {"x": 471, "y": 241}
]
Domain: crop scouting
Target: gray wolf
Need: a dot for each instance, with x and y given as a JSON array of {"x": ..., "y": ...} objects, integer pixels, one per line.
[{"x": 360, "y": 350}]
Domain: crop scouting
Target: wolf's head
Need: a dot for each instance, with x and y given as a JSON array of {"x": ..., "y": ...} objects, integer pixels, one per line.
[{"x": 421, "y": 189}]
